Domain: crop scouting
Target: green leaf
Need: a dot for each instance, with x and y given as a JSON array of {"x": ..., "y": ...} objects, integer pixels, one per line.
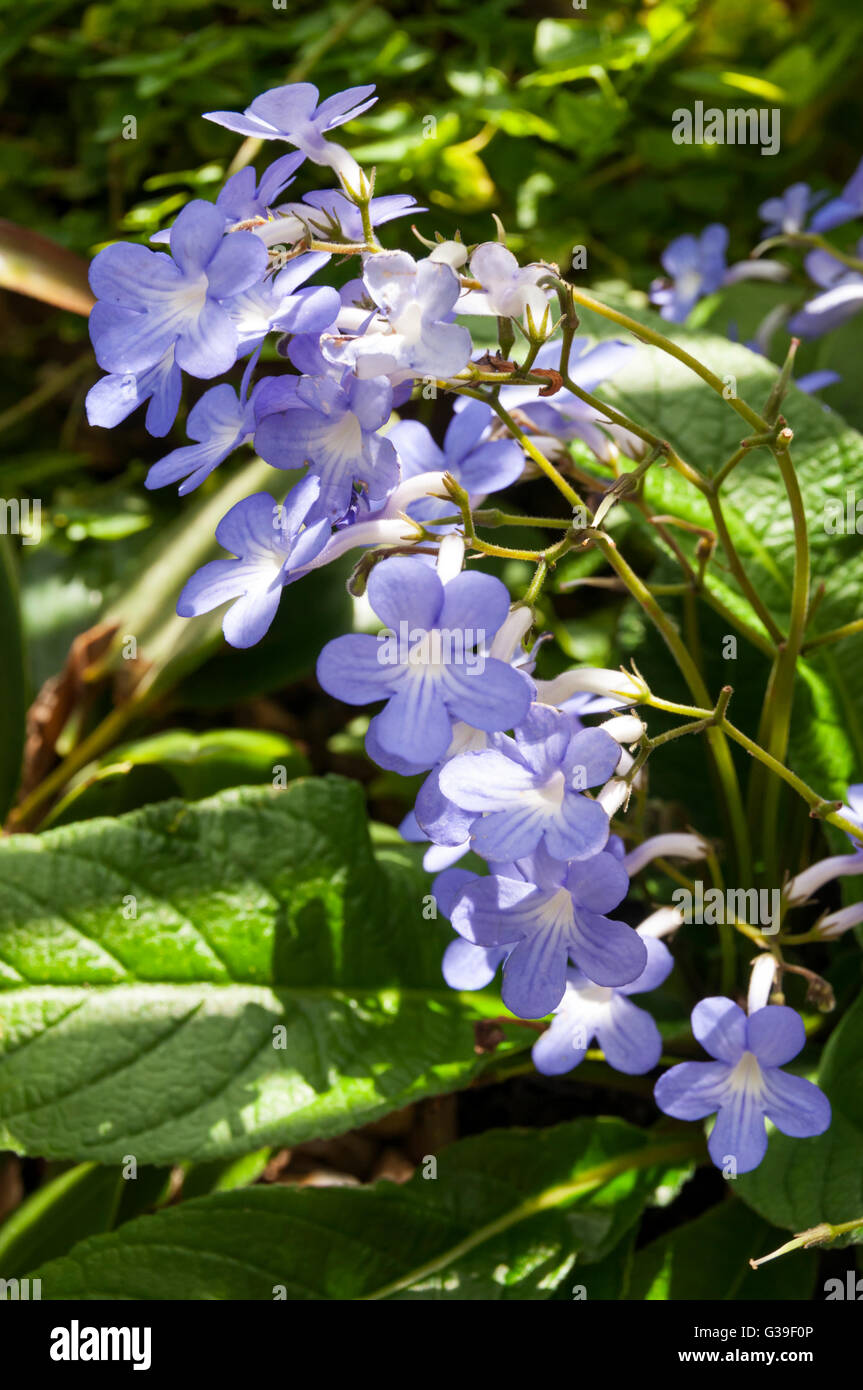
[
  {"x": 179, "y": 763},
  {"x": 501, "y": 1216},
  {"x": 709, "y": 1259},
  {"x": 826, "y": 747},
  {"x": 80, "y": 1202},
  {"x": 145, "y": 963},
  {"x": 802, "y": 1182},
  {"x": 13, "y": 696}
]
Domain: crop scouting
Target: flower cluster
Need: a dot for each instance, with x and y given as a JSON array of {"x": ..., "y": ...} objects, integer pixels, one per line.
[
  {"x": 696, "y": 267},
  {"x": 514, "y": 770}
]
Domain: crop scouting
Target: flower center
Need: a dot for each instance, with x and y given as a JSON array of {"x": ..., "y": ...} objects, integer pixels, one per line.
[{"x": 747, "y": 1075}]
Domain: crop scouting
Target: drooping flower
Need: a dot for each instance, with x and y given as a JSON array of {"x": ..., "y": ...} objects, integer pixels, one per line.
[
  {"x": 788, "y": 212},
  {"x": 696, "y": 266},
  {"x": 412, "y": 335},
  {"x": 292, "y": 113},
  {"x": 272, "y": 544},
  {"x": 333, "y": 427},
  {"x": 279, "y": 303},
  {"x": 529, "y": 789},
  {"x": 428, "y": 664},
  {"x": 847, "y": 205},
  {"x": 149, "y": 302},
  {"x": 507, "y": 289},
  {"x": 564, "y": 415},
  {"x": 841, "y": 297},
  {"x": 804, "y": 885},
  {"x": 114, "y": 398},
  {"x": 745, "y": 1084},
  {"x": 331, "y": 215},
  {"x": 464, "y": 965},
  {"x": 547, "y": 914},
  {"x": 242, "y": 198},
  {"x": 480, "y": 464},
  {"x": 220, "y": 422},
  {"x": 627, "y": 1035}
]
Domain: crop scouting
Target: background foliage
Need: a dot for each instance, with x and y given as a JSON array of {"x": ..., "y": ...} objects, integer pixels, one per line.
[{"x": 150, "y": 1036}]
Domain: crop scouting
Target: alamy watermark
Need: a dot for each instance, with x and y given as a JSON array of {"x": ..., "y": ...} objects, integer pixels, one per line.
[
  {"x": 21, "y": 517},
  {"x": 435, "y": 646},
  {"x": 727, "y": 126},
  {"x": 753, "y": 906}
]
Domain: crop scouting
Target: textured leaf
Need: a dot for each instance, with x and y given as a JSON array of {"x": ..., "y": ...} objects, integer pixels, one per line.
[
  {"x": 153, "y": 1034},
  {"x": 658, "y": 392},
  {"x": 505, "y": 1216}
]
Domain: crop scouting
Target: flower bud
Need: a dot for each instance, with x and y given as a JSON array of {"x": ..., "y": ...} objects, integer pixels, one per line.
[
  {"x": 662, "y": 922},
  {"x": 676, "y": 845},
  {"x": 597, "y": 680},
  {"x": 625, "y": 728},
  {"x": 801, "y": 888},
  {"x": 833, "y": 924}
]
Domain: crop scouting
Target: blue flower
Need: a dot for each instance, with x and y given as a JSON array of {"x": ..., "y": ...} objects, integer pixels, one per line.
[
  {"x": 564, "y": 415},
  {"x": 292, "y": 113},
  {"x": 697, "y": 268},
  {"x": 220, "y": 422},
  {"x": 334, "y": 429},
  {"x": 848, "y": 205},
  {"x": 272, "y": 543},
  {"x": 546, "y": 914},
  {"x": 426, "y": 665},
  {"x": 242, "y": 198},
  {"x": 332, "y": 214},
  {"x": 842, "y": 296},
  {"x": 279, "y": 303},
  {"x": 788, "y": 213},
  {"x": 627, "y": 1035},
  {"x": 508, "y": 289},
  {"x": 113, "y": 398},
  {"x": 412, "y": 335},
  {"x": 482, "y": 465},
  {"x": 528, "y": 790},
  {"x": 744, "y": 1085},
  {"x": 464, "y": 965},
  {"x": 149, "y": 302}
]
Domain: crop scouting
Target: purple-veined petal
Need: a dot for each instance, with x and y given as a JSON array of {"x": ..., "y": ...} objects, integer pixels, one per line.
[
  {"x": 692, "y": 1090},
  {"x": 739, "y": 1132},
  {"x": 794, "y": 1105},
  {"x": 415, "y": 721},
  {"x": 629, "y": 1037},
  {"x": 606, "y": 951},
  {"x": 350, "y": 669},
  {"x": 488, "y": 694}
]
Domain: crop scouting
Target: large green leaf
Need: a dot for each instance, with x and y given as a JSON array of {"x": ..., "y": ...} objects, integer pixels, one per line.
[
  {"x": 805, "y": 1181},
  {"x": 153, "y": 1034},
  {"x": 709, "y": 1259},
  {"x": 505, "y": 1215},
  {"x": 659, "y": 392}
]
